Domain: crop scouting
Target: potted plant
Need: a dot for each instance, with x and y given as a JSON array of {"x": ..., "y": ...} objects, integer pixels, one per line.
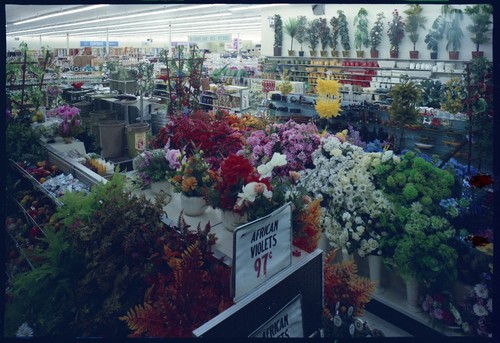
[
  {"x": 301, "y": 34},
  {"x": 396, "y": 33},
  {"x": 376, "y": 34},
  {"x": 453, "y": 30},
  {"x": 361, "y": 37},
  {"x": 480, "y": 15},
  {"x": 278, "y": 34},
  {"x": 344, "y": 33},
  {"x": 291, "y": 26},
  {"x": 403, "y": 110},
  {"x": 324, "y": 36},
  {"x": 414, "y": 21},
  {"x": 313, "y": 36},
  {"x": 434, "y": 35},
  {"x": 334, "y": 36}
]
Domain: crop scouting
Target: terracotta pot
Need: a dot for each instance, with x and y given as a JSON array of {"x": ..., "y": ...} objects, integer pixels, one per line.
[
  {"x": 394, "y": 54},
  {"x": 453, "y": 55},
  {"x": 360, "y": 53},
  {"x": 374, "y": 53},
  {"x": 193, "y": 206},
  {"x": 414, "y": 54},
  {"x": 477, "y": 54},
  {"x": 346, "y": 53}
]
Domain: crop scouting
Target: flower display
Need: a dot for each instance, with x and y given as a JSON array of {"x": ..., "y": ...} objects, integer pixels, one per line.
[
  {"x": 211, "y": 133},
  {"x": 71, "y": 122},
  {"x": 295, "y": 141},
  {"x": 158, "y": 164},
  {"x": 477, "y": 309},
  {"x": 439, "y": 305},
  {"x": 350, "y": 202},
  {"x": 328, "y": 102},
  {"x": 396, "y": 30},
  {"x": 194, "y": 176}
]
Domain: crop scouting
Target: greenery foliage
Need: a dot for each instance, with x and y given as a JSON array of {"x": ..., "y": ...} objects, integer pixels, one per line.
[
  {"x": 313, "y": 28},
  {"x": 344, "y": 31},
  {"x": 480, "y": 14},
  {"x": 361, "y": 36},
  {"x": 414, "y": 21},
  {"x": 324, "y": 33},
  {"x": 432, "y": 93},
  {"x": 376, "y": 31},
  {"x": 334, "y": 33},
  {"x": 396, "y": 30},
  {"x": 278, "y": 31},
  {"x": 435, "y": 34},
  {"x": 291, "y": 28},
  {"x": 301, "y": 35},
  {"x": 453, "y": 27}
]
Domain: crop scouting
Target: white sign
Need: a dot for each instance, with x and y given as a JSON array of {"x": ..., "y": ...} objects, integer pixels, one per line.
[
  {"x": 209, "y": 38},
  {"x": 261, "y": 249},
  {"x": 286, "y": 323}
]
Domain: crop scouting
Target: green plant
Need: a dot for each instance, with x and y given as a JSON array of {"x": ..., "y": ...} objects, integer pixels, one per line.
[
  {"x": 146, "y": 79},
  {"x": 435, "y": 34},
  {"x": 453, "y": 29},
  {"x": 344, "y": 31},
  {"x": 432, "y": 93},
  {"x": 414, "y": 21},
  {"x": 454, "y": 95},
  {"x": 324, "y": 33},
  {"x": 480, "y": 15},
  {"x": 291, "y": 27},
  {"x": 334, "y": 33},
  {"x": 396, "y": 30},
  {"x": 301, "y": 35},
  {"x": 376, "y": 31},
  {"x": 361, "y": 37},
  {"x": 23, "y": 144},
  {"x": 313, "y": 33},
  {"x": 278, "y": 31},
  {"x": 403, "y": 111}
]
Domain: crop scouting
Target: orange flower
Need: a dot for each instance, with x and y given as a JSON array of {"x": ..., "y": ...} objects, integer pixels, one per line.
[
  {"x": 189, "y": 184},
  {"x": 177, "y": 178}
]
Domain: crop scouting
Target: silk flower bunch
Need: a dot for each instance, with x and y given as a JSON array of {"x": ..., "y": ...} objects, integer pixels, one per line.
[
  {"x": 350, "y": 203},
  {"x": 71, "y": 123},
  {"x": 328, "y": 101}
]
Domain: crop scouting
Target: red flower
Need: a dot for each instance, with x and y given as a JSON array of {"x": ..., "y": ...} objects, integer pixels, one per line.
[{"x": 235, "y": 168}]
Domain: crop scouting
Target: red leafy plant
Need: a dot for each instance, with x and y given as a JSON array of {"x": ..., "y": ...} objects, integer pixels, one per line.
[{"x": 194, "y": 291}]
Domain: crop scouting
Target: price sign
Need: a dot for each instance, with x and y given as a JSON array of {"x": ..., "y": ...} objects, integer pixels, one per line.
[
  {"x": 268, "y": 85},
  {"x": 287, "y": 323},
  {"x": 262, "y": 248}
]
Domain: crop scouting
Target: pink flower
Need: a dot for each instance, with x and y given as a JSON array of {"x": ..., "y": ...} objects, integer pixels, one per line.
[{"x": 172, "y": 157}]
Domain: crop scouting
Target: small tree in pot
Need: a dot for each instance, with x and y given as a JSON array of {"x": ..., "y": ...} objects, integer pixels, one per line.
[
  {"x": 481, "y": 20},
  {"x": 453, "y": 30},
  {"x": 361, "y": 37},
  {"x": 278, "y": 34},
  {"x": 344, "y": 33},
  {"x": 376, "y": 34},
  {"x": 414, "y": 21},
  {"x": 324, "y": 36},
  {"x": 301, "y": 35},
  {"x": 313, "y": 35},
  {"x": 434, "y": 36},
  {"x": 291, "y": 27},
  {"x": 334, "y": 36},
  {"x": 396, "y": 33}
]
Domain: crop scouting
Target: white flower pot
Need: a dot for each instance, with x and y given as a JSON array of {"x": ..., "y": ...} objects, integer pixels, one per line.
[
  {"x": 232, "y": 220},
  {"x": 375, "y": 265},
  {"x": 324, "y": 244},
  {"x": 158, "y": 187},
  {"x": 412, "y": 293},
  {"x": 193, "y": 206}
]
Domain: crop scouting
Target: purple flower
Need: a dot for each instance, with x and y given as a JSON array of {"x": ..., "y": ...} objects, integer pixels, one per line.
[{"x": 173, "y": 158}]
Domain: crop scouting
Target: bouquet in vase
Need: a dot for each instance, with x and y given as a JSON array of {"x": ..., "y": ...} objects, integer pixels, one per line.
[
  {"x": 158, "y": 164},
  {"x": 194, "y": 176},
  {"x": 71, "y": 124}
]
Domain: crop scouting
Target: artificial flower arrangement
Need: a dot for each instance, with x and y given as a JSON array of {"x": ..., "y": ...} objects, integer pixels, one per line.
[
  {"x": 295, "y": 141},
  {"x": 420, "y": 237},
  {"x": 158, "y": 164},
  {"x": 194, "y": 177},
  {"x": 207, "y": 131},
  {"x": 441, "y": 310},
  {"x": 71, "y": 122},
  {"x": 328, "y": 101},
  {"x": 351, "y": 204},
  {"x": 477, "y": 309}
]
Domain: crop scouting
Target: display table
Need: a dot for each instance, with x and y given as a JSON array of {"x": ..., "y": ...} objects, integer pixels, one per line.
[{"x": 128, "y": 103}]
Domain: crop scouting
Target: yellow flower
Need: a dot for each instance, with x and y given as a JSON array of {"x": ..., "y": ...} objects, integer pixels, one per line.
[
  {"x": 327, "y": 107},
  {"x": 342, "y": 135},
  {"x": 328, "y": 87}
]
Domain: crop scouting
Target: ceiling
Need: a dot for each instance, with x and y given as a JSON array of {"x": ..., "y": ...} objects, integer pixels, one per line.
[{"x": 130, "y": 20}]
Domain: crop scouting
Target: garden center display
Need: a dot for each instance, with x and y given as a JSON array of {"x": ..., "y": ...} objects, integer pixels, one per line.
[{"x": 334, "y": 196}]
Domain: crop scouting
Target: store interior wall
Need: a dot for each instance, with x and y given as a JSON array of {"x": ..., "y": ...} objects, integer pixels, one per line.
[{"x": 430, "y": 11}]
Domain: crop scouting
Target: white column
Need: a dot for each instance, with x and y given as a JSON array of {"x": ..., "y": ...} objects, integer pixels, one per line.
[
  {"x": 67, "y": 44},
  {"x": 107, "y": 43},
  {"x": 169, "y": 38}
]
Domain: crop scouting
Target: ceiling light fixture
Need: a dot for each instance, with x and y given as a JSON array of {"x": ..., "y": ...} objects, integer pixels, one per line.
[{"x": 57, "y": 14}]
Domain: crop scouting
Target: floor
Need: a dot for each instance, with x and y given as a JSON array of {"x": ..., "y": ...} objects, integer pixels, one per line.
[{"x": 387, "y": 328}]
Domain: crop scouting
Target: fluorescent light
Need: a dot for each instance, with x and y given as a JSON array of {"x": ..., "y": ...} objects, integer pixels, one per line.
[
  {"x": 254, "y": 7},
  {"x": 88, "y": 8}
]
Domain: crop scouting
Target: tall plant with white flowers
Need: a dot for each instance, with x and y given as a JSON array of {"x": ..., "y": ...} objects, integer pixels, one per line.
[{"x": 351, "y": 204}]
